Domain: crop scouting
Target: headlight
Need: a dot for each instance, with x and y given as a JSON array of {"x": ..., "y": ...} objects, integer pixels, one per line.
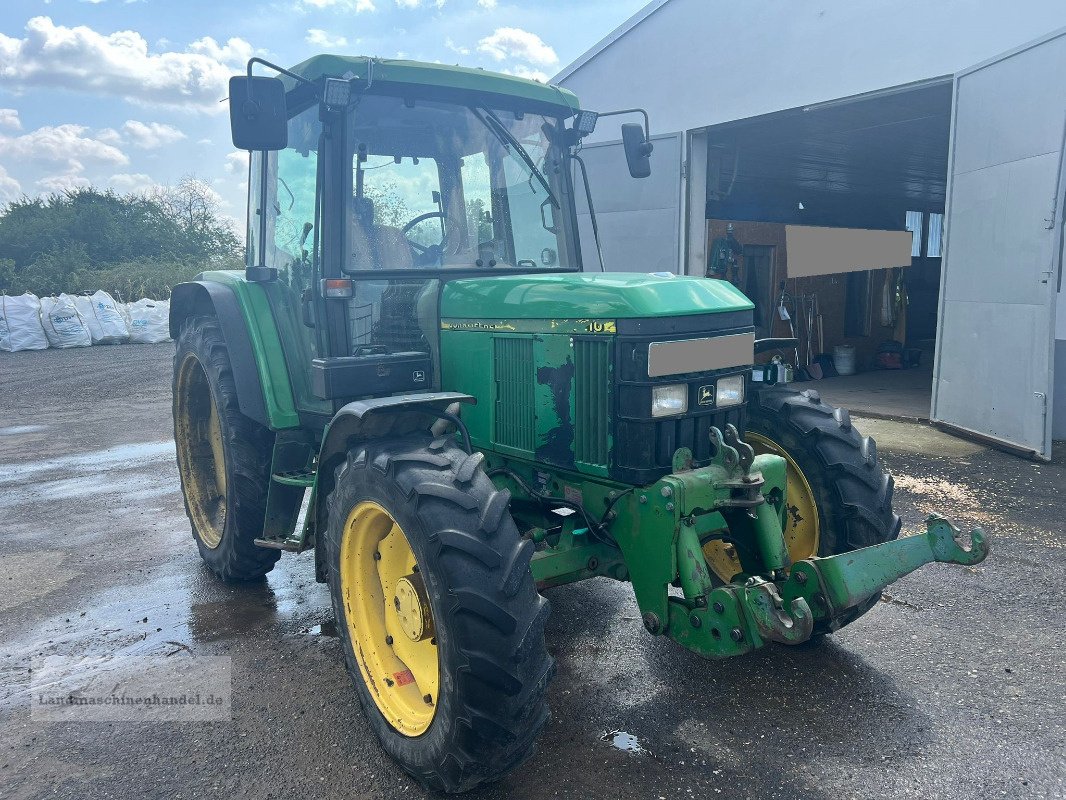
[
  {"x": 669, "y": 400},
  {"x": 729, "y": 391}
]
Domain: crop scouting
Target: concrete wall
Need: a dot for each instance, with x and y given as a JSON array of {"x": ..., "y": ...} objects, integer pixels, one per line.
[{"x": 693, "y": 63}]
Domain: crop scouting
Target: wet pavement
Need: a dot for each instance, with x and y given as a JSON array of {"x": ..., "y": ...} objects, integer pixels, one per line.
[{"x": 954, "y": 687}]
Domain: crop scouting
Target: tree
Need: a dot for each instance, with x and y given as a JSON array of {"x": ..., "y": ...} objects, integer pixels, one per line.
[{"x": 82, "y": 238}]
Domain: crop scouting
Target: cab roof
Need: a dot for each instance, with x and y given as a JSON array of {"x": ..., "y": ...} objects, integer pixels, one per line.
[{"x": 419, "y": 73}]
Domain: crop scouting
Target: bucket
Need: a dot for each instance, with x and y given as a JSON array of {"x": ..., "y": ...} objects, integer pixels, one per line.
[{"x": 844, "y": 359}]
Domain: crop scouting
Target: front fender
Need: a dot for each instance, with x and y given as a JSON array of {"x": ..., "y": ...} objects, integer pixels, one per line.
[{"x": 372, "y": 419}]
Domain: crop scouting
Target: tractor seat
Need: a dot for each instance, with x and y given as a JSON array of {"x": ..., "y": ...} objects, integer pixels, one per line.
[{"x": 376, "y": 246}]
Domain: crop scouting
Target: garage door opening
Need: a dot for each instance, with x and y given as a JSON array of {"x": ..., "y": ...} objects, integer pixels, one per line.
[{"x": 831, "y": 219}]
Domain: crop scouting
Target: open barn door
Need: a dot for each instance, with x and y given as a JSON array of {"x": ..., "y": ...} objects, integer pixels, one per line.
[
  {"x": 639, "y": 219},
  {"x": 1002, "y": 259}
]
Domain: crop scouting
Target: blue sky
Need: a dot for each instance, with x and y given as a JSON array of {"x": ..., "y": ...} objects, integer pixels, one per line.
[{"x": 124, "y": 93}]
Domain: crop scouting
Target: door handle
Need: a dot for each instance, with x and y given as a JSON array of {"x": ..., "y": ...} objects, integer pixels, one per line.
[{"x": 307, "y": 308}]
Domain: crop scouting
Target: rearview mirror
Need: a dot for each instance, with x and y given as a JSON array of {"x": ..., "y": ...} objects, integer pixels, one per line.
[
  {"x": 257, "y": 115},
  {"x": 638, "y": 150}
]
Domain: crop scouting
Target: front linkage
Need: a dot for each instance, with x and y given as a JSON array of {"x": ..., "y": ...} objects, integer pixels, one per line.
[{"x": 739, "y": 498}]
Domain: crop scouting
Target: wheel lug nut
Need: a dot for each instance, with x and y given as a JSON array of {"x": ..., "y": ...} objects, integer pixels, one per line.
[
  {"x": 429, "y": 699},
  {"x": 718, "y": 607},
  {"x": 388, "y": 640},
  {"x": 736, "y": 634},
  {"x": 377, "y": 556}
]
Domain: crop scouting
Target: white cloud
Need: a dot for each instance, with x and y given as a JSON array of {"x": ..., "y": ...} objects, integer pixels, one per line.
[
  {"x": 63, "y": 182},
  {"x": 237, "y": 162},
  {"x": 487, "y": 3},
  {"x": 132, "y": 182},
  {"x": 109, "y": 136},
  {"x": 61, "y": 144},
  {"x": 149, "y": 135},
  {"x": 358, "y": 6},
  {"x": 519, "y": 44},
  {"x": 522, "y": 71},
  {"x": 10, "y": 189},
  {"x": 320, "y": 38},
  {"x": 463, "y": 51},
  {"x": 9, "y": 118},
  {"x": 408, "y": 3},
  {"x": 120, "y": 64}
]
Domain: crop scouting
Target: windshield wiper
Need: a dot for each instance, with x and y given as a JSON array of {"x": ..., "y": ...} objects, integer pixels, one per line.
[{"x": 496, "y": 125}]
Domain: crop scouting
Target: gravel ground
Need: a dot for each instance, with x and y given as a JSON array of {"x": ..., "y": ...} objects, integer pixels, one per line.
[{"x": 952, "y": 688}]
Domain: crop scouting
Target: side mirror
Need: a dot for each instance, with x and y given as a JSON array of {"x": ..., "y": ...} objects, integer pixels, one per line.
[
  {"x": 257, "y": 115},
  {"x": 638, "y": 150}
]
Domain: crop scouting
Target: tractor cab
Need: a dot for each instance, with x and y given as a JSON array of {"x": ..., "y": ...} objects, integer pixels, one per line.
[{"x": 383, "y": 181}]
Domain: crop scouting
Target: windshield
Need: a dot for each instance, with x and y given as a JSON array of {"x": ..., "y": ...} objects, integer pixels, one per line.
[{"x": 442, "y": 185}]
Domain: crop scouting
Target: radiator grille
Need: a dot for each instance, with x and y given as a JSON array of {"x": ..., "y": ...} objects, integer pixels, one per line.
[
  {"x": 514, "y": 412},
  {"x": 592, "y": 411}
]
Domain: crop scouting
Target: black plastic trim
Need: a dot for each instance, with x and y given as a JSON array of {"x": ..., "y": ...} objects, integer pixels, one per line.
[
  {"x": 693, "y": 323},
  {"x": 207, "y": 297}
]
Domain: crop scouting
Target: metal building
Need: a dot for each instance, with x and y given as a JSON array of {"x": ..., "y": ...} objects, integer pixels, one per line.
[{"x": 833, "y": 137}]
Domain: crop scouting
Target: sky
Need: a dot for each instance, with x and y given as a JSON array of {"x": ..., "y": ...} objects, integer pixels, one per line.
[{"x": 126, "y": 93}]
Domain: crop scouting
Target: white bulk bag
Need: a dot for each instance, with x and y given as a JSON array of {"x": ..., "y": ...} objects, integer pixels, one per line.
[
  {"x": 149, "y": 321},
  {"x": 63, "y": 324},
  {"x": 100, "y": 312},
  {"x": 20, "y": 323}
]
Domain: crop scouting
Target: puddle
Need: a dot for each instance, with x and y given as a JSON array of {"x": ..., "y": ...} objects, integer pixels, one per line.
[
  {"x": 170, "y": 617},
  {"x": 626, "y": 742},
  {"x": 18, "y": 430},
  {"x": 127, "y": 456},
  {"x": 327, "y": 629}
]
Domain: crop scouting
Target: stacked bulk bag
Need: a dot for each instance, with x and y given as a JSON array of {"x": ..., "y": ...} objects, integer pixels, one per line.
[
  {"x": 20, "y": 323},
  {"x": 148, "y": 321},
  {"x": 101, "y": 314},
  {"x": 63, "y": 325}
]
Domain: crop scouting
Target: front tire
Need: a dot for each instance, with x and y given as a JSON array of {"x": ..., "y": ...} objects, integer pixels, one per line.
[
  {"x": 223, "y": 456},
  {"x": 440, "y": 622},
  {"x": 849, "y": 490}
]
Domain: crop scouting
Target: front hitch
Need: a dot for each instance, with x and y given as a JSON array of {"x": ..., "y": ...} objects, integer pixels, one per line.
[
  {"x": 835, "y": 584},
  {"x": 740, "y": 498}
]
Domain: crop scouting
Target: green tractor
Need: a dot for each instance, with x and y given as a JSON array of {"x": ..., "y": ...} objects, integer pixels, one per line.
[{"x": 477, "y": 419}]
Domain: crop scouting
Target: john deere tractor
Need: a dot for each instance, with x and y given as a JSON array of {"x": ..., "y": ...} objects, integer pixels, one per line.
[{"x": 477, "y": 419}]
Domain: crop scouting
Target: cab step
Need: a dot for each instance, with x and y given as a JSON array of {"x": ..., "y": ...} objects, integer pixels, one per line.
[{"x": 288, "y": 545}]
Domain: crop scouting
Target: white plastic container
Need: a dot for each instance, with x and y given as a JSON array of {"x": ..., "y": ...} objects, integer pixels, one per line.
[{"x": 844, "y": 359}]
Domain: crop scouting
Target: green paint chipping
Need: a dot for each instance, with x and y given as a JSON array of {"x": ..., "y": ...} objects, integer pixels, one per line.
[{"x": 591, "y": 386}]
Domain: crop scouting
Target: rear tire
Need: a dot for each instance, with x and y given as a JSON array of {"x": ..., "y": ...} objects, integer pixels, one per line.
[
  {"x": 226, "y": 502},
  {"x": 852, "y": 491},
  {"x": 487, "y": 616}
]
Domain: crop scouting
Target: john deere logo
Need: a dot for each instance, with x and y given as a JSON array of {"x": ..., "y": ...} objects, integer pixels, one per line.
[{"x": 705, "y": 395}]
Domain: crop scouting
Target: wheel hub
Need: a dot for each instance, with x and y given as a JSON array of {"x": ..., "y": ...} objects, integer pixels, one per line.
[{"x": 412, "y": 608}]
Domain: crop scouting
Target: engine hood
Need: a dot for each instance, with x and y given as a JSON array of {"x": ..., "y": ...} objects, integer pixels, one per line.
[{"x": 610, "y": 295}]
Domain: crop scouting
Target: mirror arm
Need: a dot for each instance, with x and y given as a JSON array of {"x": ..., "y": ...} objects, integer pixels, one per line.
[
  {"x": 641, "y": 111},
  {"x": 276, "y": 68}
]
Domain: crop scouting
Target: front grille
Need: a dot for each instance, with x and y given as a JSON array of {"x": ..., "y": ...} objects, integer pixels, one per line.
[
  {"x": 644, "y": 450},
  {"x": 592, "y": 358},
  {"x": 514, "y": 411}
]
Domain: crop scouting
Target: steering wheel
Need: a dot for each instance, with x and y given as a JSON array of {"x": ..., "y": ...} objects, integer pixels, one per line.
[{"x": 428, "y": 252}]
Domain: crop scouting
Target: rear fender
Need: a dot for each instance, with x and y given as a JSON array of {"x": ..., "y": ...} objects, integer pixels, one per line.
[{"x": 244, "y": 316}]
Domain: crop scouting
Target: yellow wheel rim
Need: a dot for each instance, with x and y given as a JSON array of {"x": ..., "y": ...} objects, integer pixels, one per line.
[
  {"x": 201, "y": 456},
  {"x": 801, "y": 514},
  {"x": 389, "y": 620}
]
